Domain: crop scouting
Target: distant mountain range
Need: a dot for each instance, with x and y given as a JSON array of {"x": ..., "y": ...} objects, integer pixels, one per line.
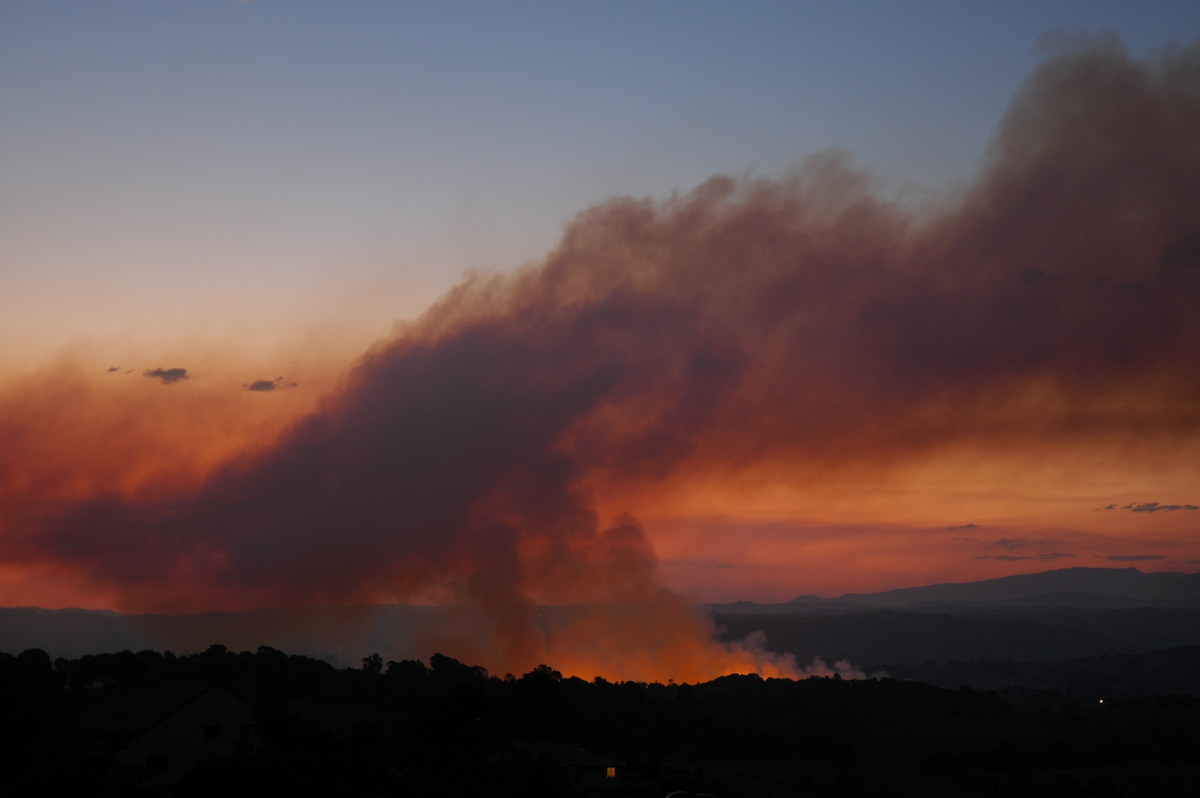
[
  {"x": 1072, "y": 612},
  {"x": 1064, "y": 614},
  {"x": 1079, "y": 588}
]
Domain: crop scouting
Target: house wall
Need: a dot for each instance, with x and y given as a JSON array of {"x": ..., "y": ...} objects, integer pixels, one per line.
[{"x": 212, "y": 724}]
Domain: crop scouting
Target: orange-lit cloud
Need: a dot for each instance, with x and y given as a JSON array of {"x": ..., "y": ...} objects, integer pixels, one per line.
[{"x": 751, "y": 348}]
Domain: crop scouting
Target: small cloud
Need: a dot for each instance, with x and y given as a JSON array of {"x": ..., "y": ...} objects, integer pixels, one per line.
[
  {"x": 1154, "y": 507},
  {"x": 1055, "y": 555},
  {"x": 1109, "y": 507},
  {"x": 263, "y": 386},
  {"x": 1004, "y": 557},
  {"x": 962, "y": 526},
  {"x": 111, "y": 369},
  {"x": 1134, "y": 557},
  {"x": 167, "y": 376}
]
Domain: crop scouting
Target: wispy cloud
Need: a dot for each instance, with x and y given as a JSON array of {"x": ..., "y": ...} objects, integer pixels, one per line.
[
  {"x": 1152, "y": 507},
  {"x": 263, "y": 386},
  {"x": 961, "y": 526},
  {"x": 167, "y": 376},
  {"x": 1134, "y": 557}
]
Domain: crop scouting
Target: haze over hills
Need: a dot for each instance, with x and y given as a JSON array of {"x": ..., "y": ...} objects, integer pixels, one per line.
[
  {"x": 1073, "y": 612},
  {"x": 1064, "y": 587},
  {"x": 1047, "y": 630}
]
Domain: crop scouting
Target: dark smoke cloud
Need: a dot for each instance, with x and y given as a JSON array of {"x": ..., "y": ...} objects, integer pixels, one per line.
[
  {"x": 1155, "y": 507},
  {"x": 167, "y": 376},
  {"x": 805, "y": 323},
  {"x": 264, "y": 386}
]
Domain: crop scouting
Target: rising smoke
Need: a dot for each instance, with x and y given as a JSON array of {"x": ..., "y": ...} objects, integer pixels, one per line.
[{"x": 800, "y": 323}]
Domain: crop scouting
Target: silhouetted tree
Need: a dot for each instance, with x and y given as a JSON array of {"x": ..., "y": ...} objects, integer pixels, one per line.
[{"x": 372, "y": 665}]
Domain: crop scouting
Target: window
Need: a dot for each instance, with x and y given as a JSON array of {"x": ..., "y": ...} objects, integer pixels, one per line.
[
  {"x": 156, "y": 763},
  {"x": 610, "y": 773},
  {"x": 212, "y": 732}
]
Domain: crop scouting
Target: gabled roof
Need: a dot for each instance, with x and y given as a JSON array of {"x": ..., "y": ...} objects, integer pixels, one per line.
[{"x": 134, "y": 712}]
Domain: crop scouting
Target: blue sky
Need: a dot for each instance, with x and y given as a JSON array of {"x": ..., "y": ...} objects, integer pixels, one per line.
[{"x": 222, "y": 169}]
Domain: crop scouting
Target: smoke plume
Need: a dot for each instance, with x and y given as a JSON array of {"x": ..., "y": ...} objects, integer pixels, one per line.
[{"x": 794, "y": 325}]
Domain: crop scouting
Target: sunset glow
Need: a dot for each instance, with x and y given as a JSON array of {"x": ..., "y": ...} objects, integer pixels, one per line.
[{"x": 753, "y": 385}]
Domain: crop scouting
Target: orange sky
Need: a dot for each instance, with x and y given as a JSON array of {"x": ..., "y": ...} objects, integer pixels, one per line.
[{"x": 756, "y": 389}]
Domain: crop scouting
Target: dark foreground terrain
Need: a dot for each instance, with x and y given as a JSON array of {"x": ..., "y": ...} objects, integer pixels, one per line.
[{"x": 265, "y": 723}]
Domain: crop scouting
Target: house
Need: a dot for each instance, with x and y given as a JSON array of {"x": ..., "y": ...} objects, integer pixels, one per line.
[
  {"x": 579, "y": 768},
  {"x": 155, "y": 735},
  {"x": 568, "y": 768}
]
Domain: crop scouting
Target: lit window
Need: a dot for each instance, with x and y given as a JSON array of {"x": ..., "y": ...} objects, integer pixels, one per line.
[{"x": 610, "y": 772}]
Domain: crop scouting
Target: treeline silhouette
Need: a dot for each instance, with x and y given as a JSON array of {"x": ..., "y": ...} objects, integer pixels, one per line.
[
  {"x": 1127, "y": 677},
  {"x": 450, "y": 729}
]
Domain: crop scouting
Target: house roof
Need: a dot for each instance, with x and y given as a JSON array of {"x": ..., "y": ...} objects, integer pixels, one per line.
[{"x": 130, "y": 714}]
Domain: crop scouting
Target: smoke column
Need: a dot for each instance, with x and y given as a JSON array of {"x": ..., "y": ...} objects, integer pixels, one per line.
[{"x": 798, "y": 324}]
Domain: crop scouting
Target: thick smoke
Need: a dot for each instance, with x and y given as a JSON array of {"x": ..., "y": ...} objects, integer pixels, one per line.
[{"x": 795, "y": 325}]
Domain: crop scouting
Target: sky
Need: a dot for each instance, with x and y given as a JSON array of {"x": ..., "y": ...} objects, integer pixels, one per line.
[{"x": 527, "y": 303}]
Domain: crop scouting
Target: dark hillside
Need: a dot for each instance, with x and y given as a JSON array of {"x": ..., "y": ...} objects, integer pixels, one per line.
[
  {"x": 450, "y": 729},
  {"x": 869, "y": 637}
]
